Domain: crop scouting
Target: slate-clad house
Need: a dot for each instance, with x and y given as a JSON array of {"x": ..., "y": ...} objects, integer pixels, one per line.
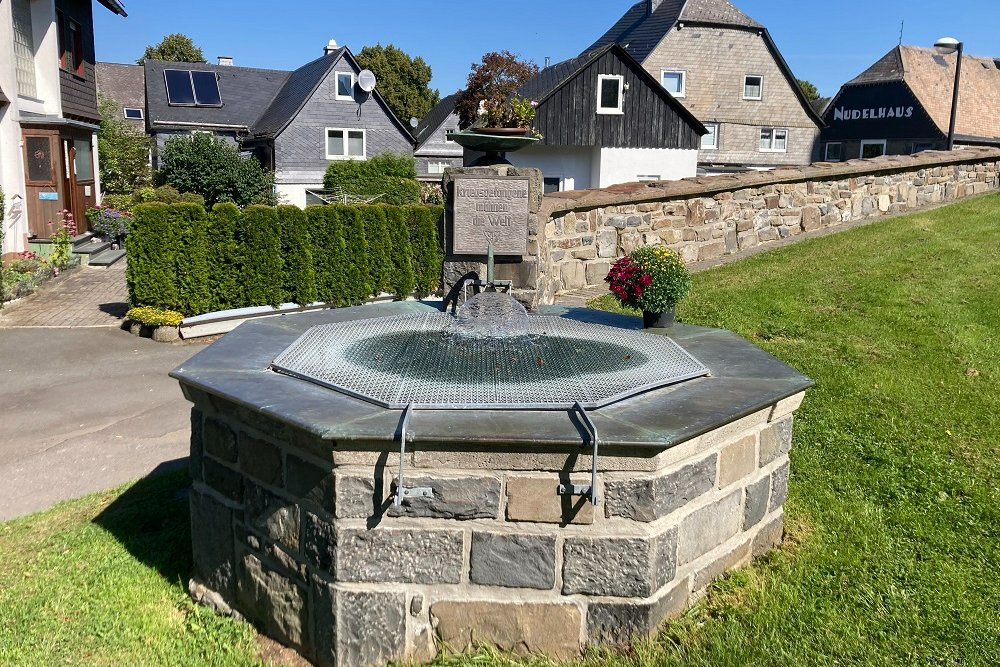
[
  {"x": 48, "y": 115},
  {"x": 902, "y": 105},
  {"x": 434, "y": 151},
  {"x": 296, "y": 123},
  {"x": 725, "y": 68}
]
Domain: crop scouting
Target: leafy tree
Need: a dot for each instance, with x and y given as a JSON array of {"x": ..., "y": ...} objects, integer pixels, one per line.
[
  {"x": 493, "y": 83},
  {"x": 175, "y": 48},
  {"x": 213, "y": 168},
  {"x": 810, "y": 91},
  {"x": 391, "y": 178},
  {"x": 124, "y": 152},
  {"x": 404, "y": 82}
]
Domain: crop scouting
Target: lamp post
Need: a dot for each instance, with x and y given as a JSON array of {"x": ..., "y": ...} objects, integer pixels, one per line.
[{"x": 946, "y": 46}]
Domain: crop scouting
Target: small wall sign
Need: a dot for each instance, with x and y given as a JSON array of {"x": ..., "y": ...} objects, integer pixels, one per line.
[
  {"x": 491, "y": 210},
  {"x": 48, "y": 196}
]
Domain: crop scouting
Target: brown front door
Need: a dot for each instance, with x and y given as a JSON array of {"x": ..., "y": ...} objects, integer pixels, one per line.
[
  {"x": 45, "y": 191},
  {"x": 79, "y": 161}
]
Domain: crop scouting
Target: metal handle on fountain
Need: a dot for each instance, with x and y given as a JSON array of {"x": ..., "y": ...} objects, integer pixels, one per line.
[{"x": 489, "y": 269}]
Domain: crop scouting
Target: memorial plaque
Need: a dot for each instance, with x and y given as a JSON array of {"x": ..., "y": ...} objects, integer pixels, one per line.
[{"x": 491, "y": 210}]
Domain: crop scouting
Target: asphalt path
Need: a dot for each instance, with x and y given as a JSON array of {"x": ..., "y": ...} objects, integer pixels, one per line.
[{"x": 84, "y": 410}]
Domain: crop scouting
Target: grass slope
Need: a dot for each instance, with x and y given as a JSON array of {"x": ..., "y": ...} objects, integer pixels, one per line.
[{"x": 893, "y": 551}]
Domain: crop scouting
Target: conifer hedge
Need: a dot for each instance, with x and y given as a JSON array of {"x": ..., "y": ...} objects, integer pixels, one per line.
[{"x": 181, "y": 258}]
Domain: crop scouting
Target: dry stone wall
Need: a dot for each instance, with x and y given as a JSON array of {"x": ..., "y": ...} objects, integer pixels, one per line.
[{"x": 705, "y": 218}]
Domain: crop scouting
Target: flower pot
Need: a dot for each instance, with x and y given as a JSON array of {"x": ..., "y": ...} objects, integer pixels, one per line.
[
  {"x": 658, "y": 320},
  {"x": 502, "y": 131}
]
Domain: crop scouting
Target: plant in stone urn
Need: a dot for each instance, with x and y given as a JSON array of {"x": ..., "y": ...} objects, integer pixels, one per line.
[
  {"x": 490, "y": 100},
  {"x": 652, "y": 279}
]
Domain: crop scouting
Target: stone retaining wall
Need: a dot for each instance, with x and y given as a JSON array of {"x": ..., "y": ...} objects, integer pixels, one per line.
[
  {"x": 302, "y": 538},
  {"x": 708, "y": 217}
]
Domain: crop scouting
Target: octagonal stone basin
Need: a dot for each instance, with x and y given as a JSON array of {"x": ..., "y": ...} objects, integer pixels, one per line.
[{"x": 294, "y": 525}]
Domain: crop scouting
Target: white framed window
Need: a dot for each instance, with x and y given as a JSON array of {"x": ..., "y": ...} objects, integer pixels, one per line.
[
  {"x": 648, "y": 178},
  {"x": 873, "y": 148},
  {"x": 345, "y": 144},
  {"x": 610, "y": 94},
  {"x": 437, "y": 168},
  {"x": 710, "y": 141},
  {"x": 773, "y": 140},
  {"x": 753, "y": 87},
  {"x": 132, "y": 113},
  {"x": 552, "y": 184},
  {"x": 447, "y": 135},
  {"x": 675, "y": 81},
  {"x": 834, "y": 152},
  {"x": 345, "y": 85}
]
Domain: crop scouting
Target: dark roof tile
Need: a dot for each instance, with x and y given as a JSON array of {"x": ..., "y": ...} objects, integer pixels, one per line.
[
  {"x": 296, "y": 91},
  {"x": 432, "y": 121}
]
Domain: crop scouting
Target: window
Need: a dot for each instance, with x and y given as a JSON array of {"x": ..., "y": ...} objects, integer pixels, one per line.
[
  {"x": 551, "y": 184},
  {"x": 753, "y": 87},
  {"x": 435, "y": 168},
  {"x": 192, "y": 88},
  {"x": 24, "y": 49},
  {"x": 71, "y": 49},
  {"x": 870, "y": 149},
  {"x": 345, "y": 144},
  {"x": 675, "y": 81},
  {"x": 834, "y": 152},
  {"x": 345, "y": 85},
  {"x": 609, "y": 94},
  {"x": 83, "y": 165},
  {"x": 648, "y": 178},
  {"x": 710, "y": 141},
  {"x": 447, "y": 135},
  {"x": 133, "y": 113},
  {"x": 773, "y": 140},
  {"x": 923, "y": 146},
  {"x": 38, "y": 153}
]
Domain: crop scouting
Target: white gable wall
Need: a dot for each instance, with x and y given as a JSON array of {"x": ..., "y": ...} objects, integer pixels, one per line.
[{"x": 627, "y": 165}]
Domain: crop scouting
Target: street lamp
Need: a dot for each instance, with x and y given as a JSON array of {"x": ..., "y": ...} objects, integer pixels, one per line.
[{"x": 946, "y": 46}]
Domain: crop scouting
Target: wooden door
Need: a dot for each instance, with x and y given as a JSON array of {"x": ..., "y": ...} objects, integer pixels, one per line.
[
  {"x": 79, "y": 186},
  {"x": 45, "y": 193}
]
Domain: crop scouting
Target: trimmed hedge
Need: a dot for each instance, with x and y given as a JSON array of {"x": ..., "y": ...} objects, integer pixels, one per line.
[{"x": 180, "y": 258}]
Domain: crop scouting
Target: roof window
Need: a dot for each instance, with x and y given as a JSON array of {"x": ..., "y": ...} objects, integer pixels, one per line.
[{"x": 192, "y": 88}]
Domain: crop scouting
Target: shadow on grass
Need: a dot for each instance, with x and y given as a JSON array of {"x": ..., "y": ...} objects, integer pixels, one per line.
[{"x": 152, "y": 521}]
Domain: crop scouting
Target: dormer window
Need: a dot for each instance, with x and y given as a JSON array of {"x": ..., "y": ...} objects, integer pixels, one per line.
[
  {"x": 753, "y": 87},
  {"x": 345, "y": 85},
  {"x": 610, "y": 89}
]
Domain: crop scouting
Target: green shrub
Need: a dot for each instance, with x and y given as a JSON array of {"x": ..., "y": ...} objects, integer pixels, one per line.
[
  {"x": 170, "y": 195},
  {"x": 428, "y": 258},
  {"x": 390, "y": 178},
  {"x": 151, "y": 273},
  {"x": 213, "y": 168},
  {"x": 124, "y": 151},
  {"x": 225, "y": 260},
  {"x": 299, "y": 284},
  {"x": 402, "y": 282},
  {"x": 328, "y": 252},
  {"x": 123, "y": 203},
  {"x": 357, "y": 283},
  {"x": 190, "y": 223},
  {"x": 259, "y": 235},
  {"x": 154, "y": 317},
  {"x": 379, "y": 250}
]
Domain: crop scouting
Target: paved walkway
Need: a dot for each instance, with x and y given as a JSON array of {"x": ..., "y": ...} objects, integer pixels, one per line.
[{"x": 82, "y": 297}]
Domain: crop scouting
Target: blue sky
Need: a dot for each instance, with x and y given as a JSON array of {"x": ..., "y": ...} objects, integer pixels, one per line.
[{"x": 825, "y": 42}]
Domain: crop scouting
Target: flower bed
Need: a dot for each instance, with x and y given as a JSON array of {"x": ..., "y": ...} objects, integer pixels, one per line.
[{"x": 22, "y": 275}]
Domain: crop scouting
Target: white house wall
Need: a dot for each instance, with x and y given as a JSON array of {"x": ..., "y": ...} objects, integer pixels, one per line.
[
  {"x": 627, "y": 165},
  {"x": 573, "y": 164}
]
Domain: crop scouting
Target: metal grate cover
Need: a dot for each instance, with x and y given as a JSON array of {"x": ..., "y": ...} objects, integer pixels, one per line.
[{"x": 399, "y": 361}]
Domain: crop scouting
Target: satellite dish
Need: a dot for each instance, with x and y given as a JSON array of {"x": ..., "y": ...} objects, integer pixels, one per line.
[
  {"x": 414, "y": 122},
  {"x": 366, "y": 80}
]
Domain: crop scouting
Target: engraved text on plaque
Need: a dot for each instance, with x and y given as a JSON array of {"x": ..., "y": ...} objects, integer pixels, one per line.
[{"x": 491, "y": 210}]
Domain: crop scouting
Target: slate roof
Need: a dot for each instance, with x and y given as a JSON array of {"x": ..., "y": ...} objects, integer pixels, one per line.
[
  {"x": 245, "y": 91},
  {"x": 544, "y": 84},
  {"x": 434, "y": 118},
  {"x": 888, "y": 68},
  {"x": 640, "y": 32},
  {"x": 292, "y": 96}
]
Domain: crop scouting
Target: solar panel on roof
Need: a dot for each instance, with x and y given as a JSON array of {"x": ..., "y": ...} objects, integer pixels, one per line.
[
  {"x": 180, "y": 91},
  {"x": 206, "y": 89}
]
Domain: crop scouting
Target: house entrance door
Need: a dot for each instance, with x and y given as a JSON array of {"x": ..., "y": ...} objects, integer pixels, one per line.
[
  {"x": 45, "y": 194},
  {"x": 78, "y": 160}
]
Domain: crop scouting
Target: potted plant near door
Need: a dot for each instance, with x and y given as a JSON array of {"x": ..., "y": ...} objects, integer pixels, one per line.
[{"x": 653, "y": 279}]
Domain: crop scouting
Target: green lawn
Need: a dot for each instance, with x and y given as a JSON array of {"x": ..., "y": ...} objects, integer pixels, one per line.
[{"x": 893, "y": 551}]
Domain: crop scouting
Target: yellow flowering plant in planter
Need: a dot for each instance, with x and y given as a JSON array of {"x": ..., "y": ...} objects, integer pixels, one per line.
[{"x": 653, "y": 279}]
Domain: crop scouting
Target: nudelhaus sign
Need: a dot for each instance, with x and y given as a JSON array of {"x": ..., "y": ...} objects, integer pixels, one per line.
[
  {"x": 492, "y": 210},
  {"x": 843, "y": 113},
  {"x": 878, "y": 111}
]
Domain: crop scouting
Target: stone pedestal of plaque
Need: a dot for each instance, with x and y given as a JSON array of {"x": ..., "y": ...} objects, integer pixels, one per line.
[{"x": 498, "y": 205}]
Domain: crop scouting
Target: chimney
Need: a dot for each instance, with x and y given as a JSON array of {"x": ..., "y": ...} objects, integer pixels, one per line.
[
  {"x": 331, "y": 46},
  {"x": 651, "y": 6},
  {"x": 548, "y": 62},
  {"x": 225, "y": 61}
]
